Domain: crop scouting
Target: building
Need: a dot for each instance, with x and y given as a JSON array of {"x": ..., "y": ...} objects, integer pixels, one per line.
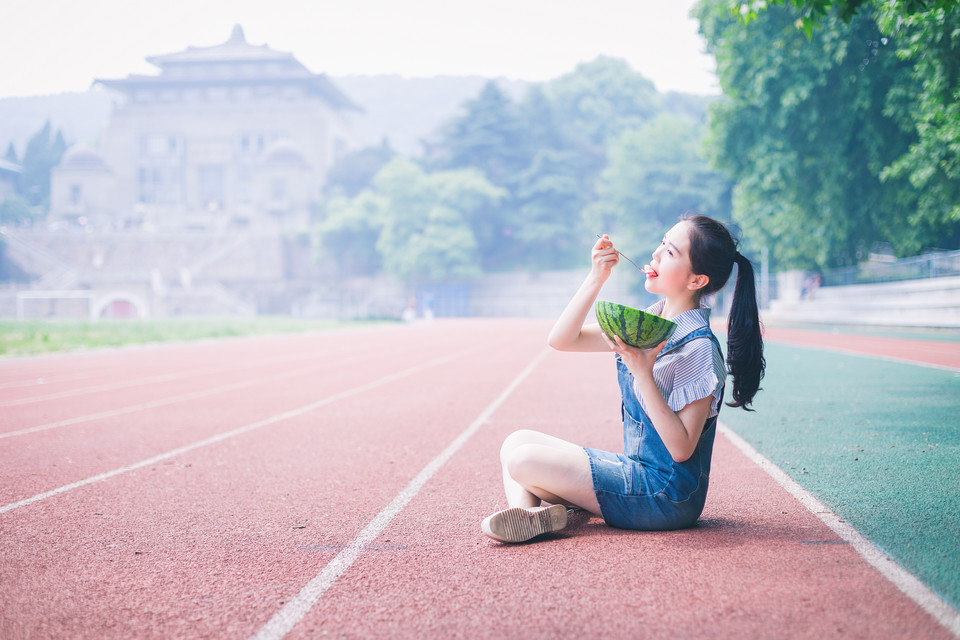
[
  {"x": 232, "y": 136},
  {"x": 9, "y": 173},
  {"x": 197, "y": 198}
]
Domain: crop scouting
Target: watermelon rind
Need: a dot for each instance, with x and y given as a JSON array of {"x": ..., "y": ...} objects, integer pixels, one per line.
[{"x": 635, "y": 327}]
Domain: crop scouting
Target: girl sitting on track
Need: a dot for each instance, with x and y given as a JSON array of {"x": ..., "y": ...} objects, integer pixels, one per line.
[{"x": 671, "y": 393}]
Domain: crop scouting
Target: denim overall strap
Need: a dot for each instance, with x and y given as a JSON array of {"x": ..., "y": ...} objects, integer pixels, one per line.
[
  {"x": 696, "y": 333},
  {"x": 699, "y": 333},
  {"x": 631, "y": 404}
]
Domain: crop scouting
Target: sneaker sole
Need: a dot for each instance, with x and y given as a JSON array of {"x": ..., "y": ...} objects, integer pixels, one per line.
[{"x": 519, "y": 524}]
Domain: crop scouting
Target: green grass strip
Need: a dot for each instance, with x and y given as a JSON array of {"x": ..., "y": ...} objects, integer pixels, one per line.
[
  {"x": 877, "y": 441},
  {"x": 32, "y": 337}
]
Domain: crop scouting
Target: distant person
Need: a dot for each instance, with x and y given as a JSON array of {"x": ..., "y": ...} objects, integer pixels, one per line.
[{"x": 671, "y": 393}]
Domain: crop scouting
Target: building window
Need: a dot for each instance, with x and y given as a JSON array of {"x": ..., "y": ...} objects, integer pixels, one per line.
[{"x": 76, "y": 194}]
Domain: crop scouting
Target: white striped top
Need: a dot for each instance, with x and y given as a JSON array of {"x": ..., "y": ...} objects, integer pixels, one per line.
[{"x": 691, "y": 372}]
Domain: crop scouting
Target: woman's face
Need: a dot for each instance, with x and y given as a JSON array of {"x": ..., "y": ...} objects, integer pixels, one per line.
[{"x": 671, "y": 272}]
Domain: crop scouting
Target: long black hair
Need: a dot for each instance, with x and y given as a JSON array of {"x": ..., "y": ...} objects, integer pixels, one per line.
[{"x": 713, "y": 252}]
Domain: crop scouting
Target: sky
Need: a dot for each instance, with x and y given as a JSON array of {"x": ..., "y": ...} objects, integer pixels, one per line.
[{"x": 52, "y": 46}]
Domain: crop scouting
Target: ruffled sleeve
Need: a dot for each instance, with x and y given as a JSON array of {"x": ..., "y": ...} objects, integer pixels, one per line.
[
  {"x": 697, "y": 375},
  {"x": 695, "y": 390}
]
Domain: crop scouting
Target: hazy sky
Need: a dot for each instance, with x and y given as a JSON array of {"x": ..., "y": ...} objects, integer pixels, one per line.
[{"x": 50, "y": 46}]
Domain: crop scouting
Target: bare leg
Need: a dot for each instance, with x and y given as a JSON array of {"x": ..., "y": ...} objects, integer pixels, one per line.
[{"x": 538, "y": 467}]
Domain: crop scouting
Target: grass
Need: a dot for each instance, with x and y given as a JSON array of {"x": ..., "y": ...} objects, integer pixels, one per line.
[{"x": 34, "y": 337}]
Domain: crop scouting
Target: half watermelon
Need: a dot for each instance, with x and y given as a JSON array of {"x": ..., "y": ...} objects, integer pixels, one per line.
[{"x": 636, "y": 328}]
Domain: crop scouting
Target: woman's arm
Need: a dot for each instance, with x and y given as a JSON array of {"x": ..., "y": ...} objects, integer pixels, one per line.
[
  {"x": 679, "y": 430},
  {"x": 568, "y": 333}
]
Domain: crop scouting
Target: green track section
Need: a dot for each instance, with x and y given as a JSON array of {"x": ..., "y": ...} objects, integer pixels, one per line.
[{"x": 877, "y": 441}]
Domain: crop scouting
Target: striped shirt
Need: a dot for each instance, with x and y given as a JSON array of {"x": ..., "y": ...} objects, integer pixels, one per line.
[{"x": 695, "y": 370}]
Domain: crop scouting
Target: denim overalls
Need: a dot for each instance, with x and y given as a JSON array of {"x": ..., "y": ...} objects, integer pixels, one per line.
[{"x": 644, "y": 488}]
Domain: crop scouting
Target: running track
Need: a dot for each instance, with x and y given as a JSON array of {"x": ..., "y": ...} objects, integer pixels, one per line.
[{"x": 332, "y": 485}]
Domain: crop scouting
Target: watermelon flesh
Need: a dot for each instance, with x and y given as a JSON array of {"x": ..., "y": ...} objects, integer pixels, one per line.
[{"x": 635, "y": 327}]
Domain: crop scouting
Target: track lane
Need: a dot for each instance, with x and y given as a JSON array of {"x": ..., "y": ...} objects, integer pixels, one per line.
[
  {"x": 228, "y": 533},
  {"x": 912, "y": 350},
  {"x": 91, "y": 447},
  {"x": 758, "y": 565},
  {"x": 222, "y": 521}
]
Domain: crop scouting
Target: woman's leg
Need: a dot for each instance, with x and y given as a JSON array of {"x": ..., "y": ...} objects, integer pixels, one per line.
[{"x": 540, "y": 467}]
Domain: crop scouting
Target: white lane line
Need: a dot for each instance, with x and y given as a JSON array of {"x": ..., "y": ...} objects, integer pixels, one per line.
[
  {"x": 41, "y": 380},
  {"x": 905, "y": 581},
  {"x": 293, "y": 413},
  {"x": 153, "y": 404},
  {"x": 287, "y": 617},
  {"x": 139, "y": 382},
  {"x": 113, "y": 386}
]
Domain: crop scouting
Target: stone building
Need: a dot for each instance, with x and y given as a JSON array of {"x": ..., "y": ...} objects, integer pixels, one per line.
[
  {"x": 9, "y": 172},
  {"x": 232, "y": 136},
  {"x": 196, "y": 199}
]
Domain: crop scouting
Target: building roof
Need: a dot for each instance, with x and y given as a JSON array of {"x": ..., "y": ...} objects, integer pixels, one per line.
[
  {"x": 235, "y": 49},
  {"x": 232, "y": 63},
  {"x": 10, "y": 167}
]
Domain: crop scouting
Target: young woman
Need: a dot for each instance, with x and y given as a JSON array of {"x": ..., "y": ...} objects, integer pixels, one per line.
[{"x": 671, "y": 394}]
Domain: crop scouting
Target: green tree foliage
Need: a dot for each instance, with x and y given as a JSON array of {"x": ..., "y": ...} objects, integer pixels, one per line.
[
  {"x": 924, "y": 98},
  {"x": 14, "y": 211},
  {"x": 487, "y": 136},
  {"x": 511, "y": 182},
  {"x": 348, "y": 234},
  {"x": 654, "y": 173},
  {"x": 599, "y": 99},
  {"x": 42, "y": 154},
  {"x": 354, "y": 172},
  {"x": 804, "y": 133},
  {"x": 811, "y": 12},
  {"x": 418, "y": 224},
  {"x": 547, "y": 151},
  {"x": 547, "y": 232},
  {"x": 928, "y": 101}
]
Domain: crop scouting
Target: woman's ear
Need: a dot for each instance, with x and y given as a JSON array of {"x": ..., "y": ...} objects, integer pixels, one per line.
[{"x": 698, "y": 282}]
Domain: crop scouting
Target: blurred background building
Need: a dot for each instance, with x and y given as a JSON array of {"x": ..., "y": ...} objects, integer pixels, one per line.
[
  {"x": 197, "y": 198},
  {"x": 230, "y": 136}
]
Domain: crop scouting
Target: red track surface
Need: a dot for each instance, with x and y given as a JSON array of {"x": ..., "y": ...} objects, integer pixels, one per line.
[
  {"x": 204, "y": 485},
  {"x": 941, "y": 354}
]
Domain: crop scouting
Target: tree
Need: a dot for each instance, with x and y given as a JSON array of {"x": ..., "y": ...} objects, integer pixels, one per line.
[
  {"x": 810, "y": 13},
  {"x": 655, "y": 173},
  {"x": 348, "y": 235},
  {"x": 14, "y": 211},
  {"x": 11, "y": 154},
  {"x": 803, "y": 133},
  {"x": 926, "y": 34},
  {"x": 487, "y": 136},
  {"x": 601, "y": 98},
  {"x": 41, "y": 155},
  {"x": 419, "y": 224},
  {"x": 547, "y": 230},
  {"x": 928, "y": 101},
  {"x": 353, "y": 173}
]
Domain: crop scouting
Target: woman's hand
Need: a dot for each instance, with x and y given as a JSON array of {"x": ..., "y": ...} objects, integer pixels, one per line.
[
  {"x": 638, "y": 361},
  {"x": 603, "y": 258}
]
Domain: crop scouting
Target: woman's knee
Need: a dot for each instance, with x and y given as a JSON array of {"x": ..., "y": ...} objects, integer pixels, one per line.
[
  {"x": 515, "y": 440},
  {"x": 526, "y": 462}
]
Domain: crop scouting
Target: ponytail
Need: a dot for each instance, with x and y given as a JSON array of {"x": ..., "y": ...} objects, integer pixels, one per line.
[
  {"x": 744, "y": 340},
  {"x": 713, "y": 253}
]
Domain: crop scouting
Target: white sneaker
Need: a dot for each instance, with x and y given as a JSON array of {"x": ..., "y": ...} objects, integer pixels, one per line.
[{"x": 519, "y": 525}]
